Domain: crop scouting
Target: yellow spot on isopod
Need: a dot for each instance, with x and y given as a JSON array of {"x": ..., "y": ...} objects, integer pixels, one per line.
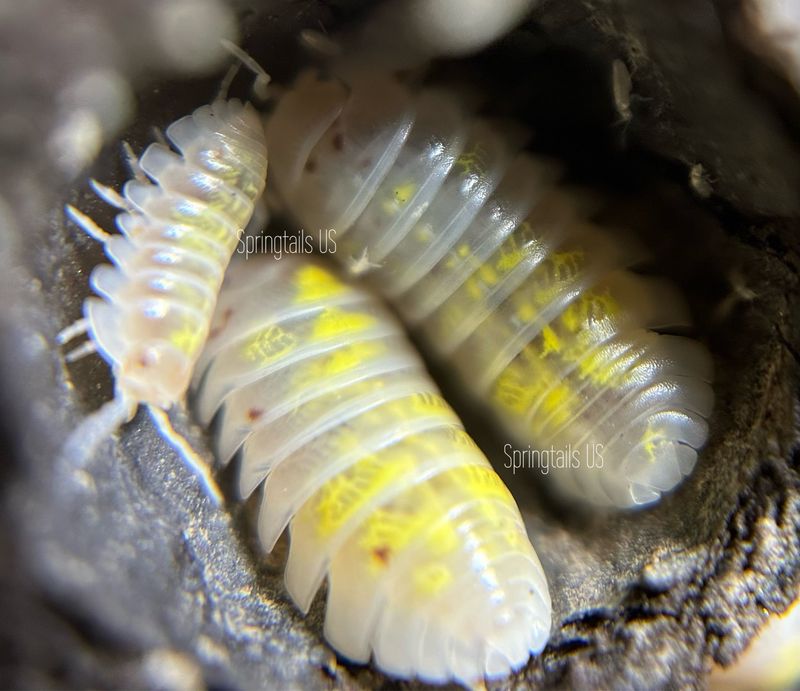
[
  {"x": 515, "y": 392},
  {"x": 269, "y": 344},
  {"x": 652, "y": 439},
  {"x": 400, "y": 196},
  {"x": 488, "y": 275},
  {"x": 473, "y": 162},
  {"x": 350, "y": 357},
  {"x": 424, "y": 233},
  {"x": 188, "y": 339},
  {"x": 314, "y": 283},
  {"x": 510, "y": 260},
  {"x": 334, "y": 321},
  {"x": 526, "y": 312},
  {"x": 432, "y": 578},
  {"x": 555, "y": 402},
  {"x": 550, "y": 341},
  {"x": 348, "y": 492}
]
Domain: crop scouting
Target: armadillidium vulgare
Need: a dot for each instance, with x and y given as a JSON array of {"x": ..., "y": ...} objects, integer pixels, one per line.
[
  {"x": 495, "y": 267},
  {"x": 178, "y": 232},
  {"x": 428, "y": 564}
]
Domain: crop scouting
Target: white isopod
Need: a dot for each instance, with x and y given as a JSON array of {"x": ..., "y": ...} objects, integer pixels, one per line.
[
  {"x": 428, "y": 564},
  {"x": 494, "y": 265},
  {"x": 178, "y": 233}
]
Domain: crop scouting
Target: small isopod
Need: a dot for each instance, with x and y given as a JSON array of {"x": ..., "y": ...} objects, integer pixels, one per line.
[
  {"x": 177, "y": 234},
  {"x": 429, "y": 568},
  {"x": 621, "y": 86},
  {"x": 700, "y": 181},
  {"x": 495, "y": 266}
]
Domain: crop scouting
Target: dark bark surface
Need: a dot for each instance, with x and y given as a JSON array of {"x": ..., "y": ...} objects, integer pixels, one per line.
[{"x": 121, "y": 574}]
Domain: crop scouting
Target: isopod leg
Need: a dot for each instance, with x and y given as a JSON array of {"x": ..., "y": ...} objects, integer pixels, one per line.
[
  {"x": 227, "y": 80},
  {"x": 158, "y": 135},
  {"x": 77, "y": 328},
  {"x": 193, "y": 461},
  {"x": 87, "y": 224},
  {"x": 133, "y": 162},
  {"x": 262, "y": 79},
  {"x": 111, "y": 196},
  {"x": 84, "y": 349}
]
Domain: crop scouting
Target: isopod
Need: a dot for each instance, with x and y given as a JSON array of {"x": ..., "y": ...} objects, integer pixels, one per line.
[
  {"x": 429, "y": 568},
  {"x": 621, "y": 86},
  {"x": 699, "y": 181},
  {"x": 177, "y": 234},
  {"x": 494, "y": 264}
]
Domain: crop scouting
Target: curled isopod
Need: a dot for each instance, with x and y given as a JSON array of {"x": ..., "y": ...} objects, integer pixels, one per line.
[
  {"x": 495, "y": 266},
  {"x": 178, "y": 231},
  {"x": 428, "y": 564}
]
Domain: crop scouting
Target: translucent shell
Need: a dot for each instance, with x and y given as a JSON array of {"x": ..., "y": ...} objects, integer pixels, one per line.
[
  {"x": 494, "y": 266},
  {"x": 429, "y": 567}
]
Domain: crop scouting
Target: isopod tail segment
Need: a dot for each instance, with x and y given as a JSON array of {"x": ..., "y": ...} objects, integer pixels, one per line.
[
  {"x": 179, "y": 227},
  {"x": 84, "y": 440}
]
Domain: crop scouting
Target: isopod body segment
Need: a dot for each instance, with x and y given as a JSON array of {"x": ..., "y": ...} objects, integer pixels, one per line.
[
  {"x": 493, "y": 263},
  {"x": 428, "y": 564}
]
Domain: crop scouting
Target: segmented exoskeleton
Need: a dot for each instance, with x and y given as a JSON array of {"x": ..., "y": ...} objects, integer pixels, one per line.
[
  {"x": 428, "y": 564},
  {"x": 494, "y": 265},
  {"x": 178, "y": 232}
]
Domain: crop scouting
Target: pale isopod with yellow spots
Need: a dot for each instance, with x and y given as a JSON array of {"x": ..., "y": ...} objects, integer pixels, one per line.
[
  {"x": 429, "y": 568},
  {"x": 177, "y": 234},
  {"x": 495, "y": 266}
]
